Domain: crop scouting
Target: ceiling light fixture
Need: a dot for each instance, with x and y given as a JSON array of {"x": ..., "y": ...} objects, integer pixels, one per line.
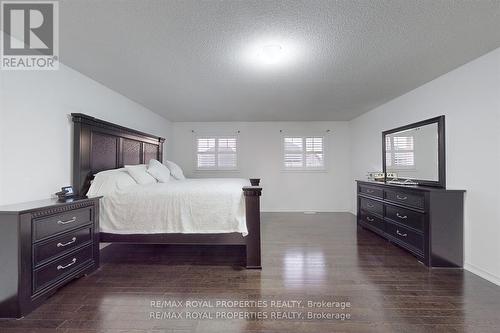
[{"x": 270, "y": 53}]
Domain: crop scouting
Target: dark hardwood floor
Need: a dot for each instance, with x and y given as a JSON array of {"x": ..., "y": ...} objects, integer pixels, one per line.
[{"x": 305, "y": 258}]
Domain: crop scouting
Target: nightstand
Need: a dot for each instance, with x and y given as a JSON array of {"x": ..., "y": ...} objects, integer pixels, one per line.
[{"x": 44, "y": 245}]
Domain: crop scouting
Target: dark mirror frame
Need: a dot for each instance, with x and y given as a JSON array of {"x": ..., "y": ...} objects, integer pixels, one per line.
[{"x": 441, "y": 182}]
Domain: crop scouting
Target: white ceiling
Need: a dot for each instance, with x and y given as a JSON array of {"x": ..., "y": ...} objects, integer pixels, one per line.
[{"x": 186, "y": 60}]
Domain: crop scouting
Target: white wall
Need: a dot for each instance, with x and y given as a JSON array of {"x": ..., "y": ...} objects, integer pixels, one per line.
[
  {"x": 36, "y": 130},
  {"x": 260, "y": 155},
  {"x": 469, "y": 97}
]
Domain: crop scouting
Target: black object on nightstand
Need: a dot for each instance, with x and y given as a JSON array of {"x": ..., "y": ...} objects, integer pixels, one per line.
[{"x": 44, "y": 245}]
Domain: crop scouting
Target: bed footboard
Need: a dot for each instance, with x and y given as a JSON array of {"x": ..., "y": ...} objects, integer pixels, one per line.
[{"x": 252, "y": 208}]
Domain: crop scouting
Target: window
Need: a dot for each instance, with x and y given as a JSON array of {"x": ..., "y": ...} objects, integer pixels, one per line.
[
  {"x": 303, "y": 153},
  {"x": 400, "y": 152},
  {"x": 216, "y": 153}
]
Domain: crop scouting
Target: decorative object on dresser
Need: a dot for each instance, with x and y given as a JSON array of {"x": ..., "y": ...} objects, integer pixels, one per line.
[
  {"x": 426, "y": 221},
  {"x": 376, "y": 176},
  {"x": 44, "y": 245}
]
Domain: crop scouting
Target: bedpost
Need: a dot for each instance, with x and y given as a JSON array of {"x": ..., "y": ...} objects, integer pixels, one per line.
[
  {"x": 81, "y": 154},
  {"x": 252, "y": 209}
]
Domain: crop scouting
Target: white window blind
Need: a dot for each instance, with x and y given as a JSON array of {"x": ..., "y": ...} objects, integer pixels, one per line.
[
  {"x": 403, "y": 143},
  {"x": 216, "y": 153},
  {"x": 400, "y": 152},
  {"x": 303, "y": 153}
]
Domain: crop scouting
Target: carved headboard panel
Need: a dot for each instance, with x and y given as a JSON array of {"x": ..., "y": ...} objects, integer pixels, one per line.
[{"x": 99, "y": 145}]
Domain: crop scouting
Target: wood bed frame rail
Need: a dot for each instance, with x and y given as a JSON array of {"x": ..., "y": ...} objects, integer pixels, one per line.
[{"x": 99, "y": 145}]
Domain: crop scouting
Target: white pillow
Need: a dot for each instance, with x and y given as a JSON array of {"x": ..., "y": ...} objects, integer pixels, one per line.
[
  {"x": 110, "y": 181},
  {"x": 158, "y": 171},
  {"x": 139, "y": 173},
  {"x": 175, "y": 170}
]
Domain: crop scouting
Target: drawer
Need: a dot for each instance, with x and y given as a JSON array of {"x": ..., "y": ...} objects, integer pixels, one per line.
[
  {"x": 373, "y": 191},
  {"x": 55, "y": 224},
  {"x": 413, "y": 239},
  {"x": 372, "y": 206},
  {"x": 372, "y": 220},
  {"x": 407, "y": 198},
  {"x": 46, "y": 275},
  {"x": 405, "y": 216},
  {"x": 45, "y": 251}
]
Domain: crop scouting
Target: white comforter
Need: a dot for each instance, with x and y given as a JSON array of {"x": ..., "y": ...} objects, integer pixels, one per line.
[{"x": 185, "y": 206}]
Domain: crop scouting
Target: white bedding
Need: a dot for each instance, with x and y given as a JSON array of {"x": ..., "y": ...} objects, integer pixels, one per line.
[{"x": 185, "y": 206}]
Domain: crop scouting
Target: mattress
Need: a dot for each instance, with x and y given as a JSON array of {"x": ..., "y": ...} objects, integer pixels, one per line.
[{"x": 191, "y": 206}]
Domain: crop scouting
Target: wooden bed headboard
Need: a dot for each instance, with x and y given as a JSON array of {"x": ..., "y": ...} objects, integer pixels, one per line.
[{"x": 100, "y": 145}]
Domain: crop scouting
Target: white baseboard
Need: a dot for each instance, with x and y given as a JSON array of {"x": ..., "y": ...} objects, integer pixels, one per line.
[{"x": 482, "y": 273}]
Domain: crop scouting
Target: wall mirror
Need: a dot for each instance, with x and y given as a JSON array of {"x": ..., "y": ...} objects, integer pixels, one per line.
[{"x": 415, "y": 153}]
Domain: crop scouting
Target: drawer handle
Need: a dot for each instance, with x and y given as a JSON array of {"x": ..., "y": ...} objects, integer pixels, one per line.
[
  {"x": 369, "y": 219},
  {"x": 369, "y": 205},
  {"x": 401, "y": 197},
  {"x": 68, "y": 265},
  {"x": 401, "y": 234},
  {"x": 68, "y": 243},
  {"x": 369, "y": 191},
  {"x": 403, "y": 217},
  {"x": 68, "y": 221}
]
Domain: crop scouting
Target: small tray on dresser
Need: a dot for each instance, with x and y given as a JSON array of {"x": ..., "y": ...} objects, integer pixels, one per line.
[{"x": 44, "y": 245}]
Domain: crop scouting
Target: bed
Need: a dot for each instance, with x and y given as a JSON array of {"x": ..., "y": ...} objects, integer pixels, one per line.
[{"x": 191, "y": 211}]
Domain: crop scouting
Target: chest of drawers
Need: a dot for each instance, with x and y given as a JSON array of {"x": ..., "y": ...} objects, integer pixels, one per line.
[
  {"x": 427, "y": 222},
  {"x": 44, "y": 245}
]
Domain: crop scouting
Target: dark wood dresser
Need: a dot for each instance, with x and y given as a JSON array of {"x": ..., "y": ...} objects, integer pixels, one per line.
[
  {"x": 426, "y": 221},
  {"x": 43, "y": 245}
]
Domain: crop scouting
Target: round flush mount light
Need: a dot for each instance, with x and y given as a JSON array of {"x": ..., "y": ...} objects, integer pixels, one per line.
[{"x": 270, "y": 53}]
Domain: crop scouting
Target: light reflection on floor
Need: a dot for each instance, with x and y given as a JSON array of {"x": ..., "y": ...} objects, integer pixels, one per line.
[{"x": 303, "y": 265}]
